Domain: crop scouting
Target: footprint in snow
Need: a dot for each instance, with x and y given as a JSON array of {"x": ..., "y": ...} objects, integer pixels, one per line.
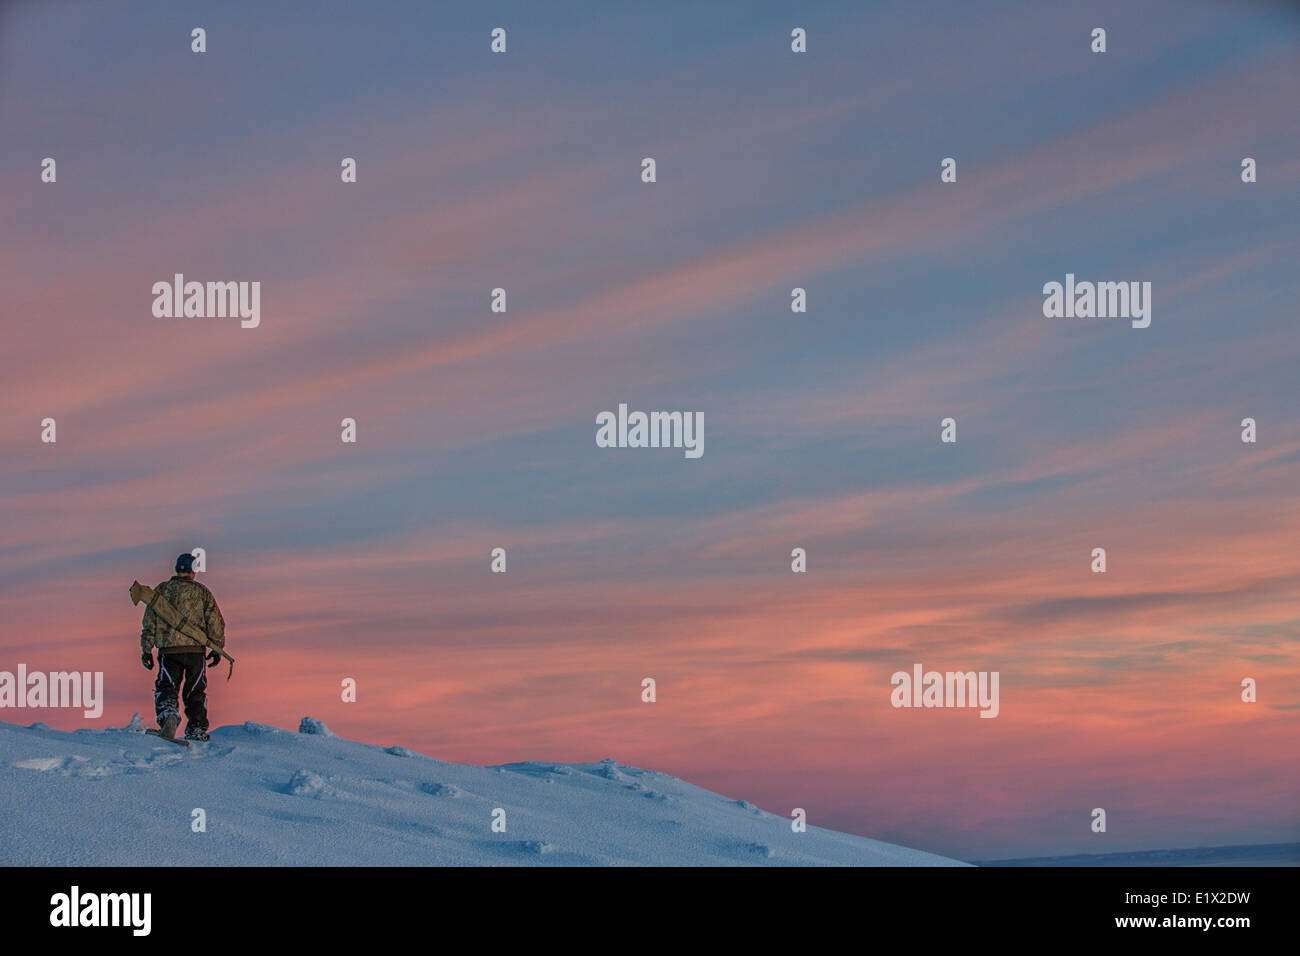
[
  {"x": 647, "y": 792},
  {"x": 305, "y": 783},
  {"x": 441, "y": 790},
  {"x": 758, "y": 850},
  {"x": 73, "y": 765}
]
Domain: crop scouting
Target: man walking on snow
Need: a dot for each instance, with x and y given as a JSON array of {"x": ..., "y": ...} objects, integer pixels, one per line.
[{"x": 181, "y": 661}]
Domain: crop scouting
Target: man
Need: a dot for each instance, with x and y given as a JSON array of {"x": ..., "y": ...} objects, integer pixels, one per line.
[{"x": 181, "y": 660}]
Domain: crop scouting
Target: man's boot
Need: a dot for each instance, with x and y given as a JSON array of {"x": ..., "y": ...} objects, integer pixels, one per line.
[{"x": 168, "y": 727}]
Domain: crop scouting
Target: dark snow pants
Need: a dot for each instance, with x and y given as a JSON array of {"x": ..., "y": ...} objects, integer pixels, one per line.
[{"x": 185, "y": 674}]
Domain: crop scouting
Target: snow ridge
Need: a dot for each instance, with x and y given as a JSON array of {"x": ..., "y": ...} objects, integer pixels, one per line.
[{"x": 272, "y": 797}]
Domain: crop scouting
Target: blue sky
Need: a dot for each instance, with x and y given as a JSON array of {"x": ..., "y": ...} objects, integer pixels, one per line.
[{"x": 775, "y": 170}]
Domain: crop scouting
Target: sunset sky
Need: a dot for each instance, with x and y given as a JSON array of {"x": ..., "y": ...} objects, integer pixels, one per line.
[{"x": 476, "y": 430}]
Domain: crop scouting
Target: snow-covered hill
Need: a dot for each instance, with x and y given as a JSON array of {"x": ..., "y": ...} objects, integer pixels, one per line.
[{"x": 270, "y": 797}]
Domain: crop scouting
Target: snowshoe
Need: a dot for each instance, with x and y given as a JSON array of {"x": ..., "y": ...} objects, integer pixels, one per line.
[
  {"x": 167, "y": 730},
  {"x": 170, "y": 740}
]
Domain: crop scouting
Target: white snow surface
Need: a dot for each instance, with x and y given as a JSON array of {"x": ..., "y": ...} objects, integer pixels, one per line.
[{"x": 272, "y": 797}]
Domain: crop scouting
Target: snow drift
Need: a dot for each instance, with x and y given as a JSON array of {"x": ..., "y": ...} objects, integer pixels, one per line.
[{"x": 272, "y": 797}]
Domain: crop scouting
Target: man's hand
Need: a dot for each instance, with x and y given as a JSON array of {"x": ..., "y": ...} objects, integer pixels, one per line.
[
  {"x": 146, "y": 658},
  {"x": 213, "y": 658}
]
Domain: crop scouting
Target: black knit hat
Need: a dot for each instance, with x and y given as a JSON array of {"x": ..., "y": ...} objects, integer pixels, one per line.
[{"x": 185, "y": 563}]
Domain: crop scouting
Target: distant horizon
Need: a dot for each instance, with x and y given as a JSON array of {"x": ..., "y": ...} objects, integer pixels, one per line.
[
  {"x": 1287, "y": 854},
  {"x": 1289, "y": 851}
]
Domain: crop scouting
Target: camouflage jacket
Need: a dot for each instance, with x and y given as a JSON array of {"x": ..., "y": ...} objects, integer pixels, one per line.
[{"x": 199, "y": 607}]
